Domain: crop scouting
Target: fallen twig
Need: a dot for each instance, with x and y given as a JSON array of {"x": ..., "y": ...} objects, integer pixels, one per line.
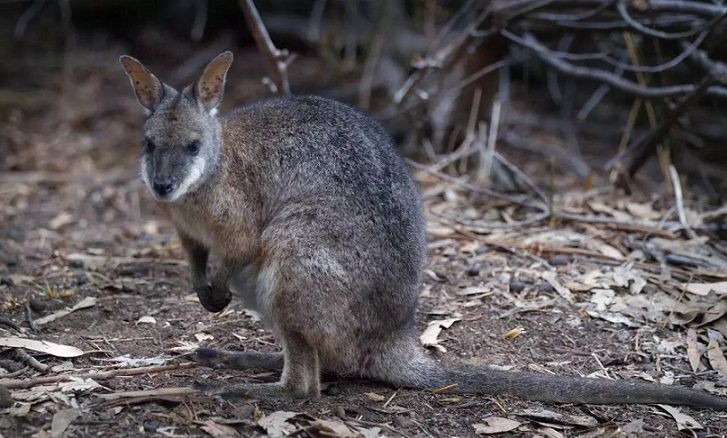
[
  {"x": 30, "y": 360},
  {"x": 680, "y": 202},
  {"x": 161, "y": 392},
  {"x": 341, "y": 413},
  {"x": 472, "y": 187},
  {"x": 7, "y": 322},
  {"x": 29, "y": 383},
  {"x": 29, "y": 317}
]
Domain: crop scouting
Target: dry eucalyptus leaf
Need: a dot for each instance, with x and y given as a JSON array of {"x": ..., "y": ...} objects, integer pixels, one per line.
[
  {"x": 334, "y": 428},
  {"x": 83, "y": 304},
  {"x": 642, "y": 211},
  {"x": 375, "y": 397},
  {"x": 684, "y": 421},
  {"x": 693, "y": 349},
  {"x": 563, "y": 291},
  {"x": 431, "y": 333},
  {"x": 556, "y": 417},
  {"x": 703, "y": 289},
  {"x": 218, "y": 430},
  {"x": 634, "y": 428},
  {"x": 276, "y": 424},
  {"x": 716, "y": 358},
  {"x": 146, "y": 320},
  {"x": 493, "y": 425},
  {"x": 90, "y": 262},
  {"x": 61, "y": 421},
  {"x": 549, "y": 432},
  {"x": 369, "y": 432},
  {"x": 41, "y": 346}
]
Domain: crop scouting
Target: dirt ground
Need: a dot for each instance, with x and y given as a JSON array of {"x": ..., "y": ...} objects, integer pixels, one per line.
[{"x": 77, "y": 224}]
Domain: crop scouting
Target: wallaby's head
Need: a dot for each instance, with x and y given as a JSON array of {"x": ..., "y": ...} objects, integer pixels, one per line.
[{"x": 182, "y": 142}]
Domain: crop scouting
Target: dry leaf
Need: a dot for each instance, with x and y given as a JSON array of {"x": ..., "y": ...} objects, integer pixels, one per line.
[
  {"x": 550, "y": 432},
  {"x": 431, "y": 333},
  {"x": 703, "y": 289},
  {"x": 642, "y": 211},
  {"x": 600, "y": 207},
  {"x": 716, "y": 358},
  {"x": 369, "y": 432},
  {"x": 41, "y": 346},
  {"x": 83, "y": 304},
  {"x": 693, "y": 349},
  {"x": 375, "y": 397},
  {"x": 201, "y": 337},
  {"x": 90, "y": 262},
  {"x": 494, "y": 425},
  {"x": 146, "y": 320},
  {"x": 128, "y": 361},
  {"x": 556, "y": 417},
  {"x": 218, "y": 430},
  {"x": 563, "y": 291},
  {"x": 684, "y": 421},
  {"x": 602, "y": 298},
  {"x": 62, "y": 219},
  {"x": 474, "y": 290},
  {"x": 334, "y": 428},
  {"x": 514, "y": 333},
  {"x": 61, "y": 421},
  {"x": 633, "y": 428},
  {"x": 276, "y": 424}
]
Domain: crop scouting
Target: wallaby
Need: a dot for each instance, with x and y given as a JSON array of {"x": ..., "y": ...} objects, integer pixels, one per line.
[{"x": 319, "y": 229}]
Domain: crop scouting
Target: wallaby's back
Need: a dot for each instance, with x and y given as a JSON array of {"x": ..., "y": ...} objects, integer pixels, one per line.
[{"x": 338, "y": 199}]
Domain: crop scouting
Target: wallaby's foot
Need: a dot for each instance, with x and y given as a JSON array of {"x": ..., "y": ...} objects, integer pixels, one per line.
[
  {"x": 260, "y": 391},
  {"x": 212, "y": 298},
  {"x": 238, "y": 360}
]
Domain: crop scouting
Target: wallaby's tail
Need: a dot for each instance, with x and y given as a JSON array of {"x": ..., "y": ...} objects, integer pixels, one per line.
[{"x": 421, "y": 372}]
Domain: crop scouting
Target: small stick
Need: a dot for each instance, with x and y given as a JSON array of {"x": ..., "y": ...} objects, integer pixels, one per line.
[
  {"x": 29, "y": 317},
  {"x": 341, "y": 413},
  {"x": 30, "y": 360},
  {"x": 29, "y": 383},
  {"x": 391, "y": 398},
  {"x": 471, "y": 187},
  {"x": 278, "y": 60},
  {"x": 680, "y": 202},
  {"x": 9, "y": 323},
  {"x": 444, "y": 388},
  {"x": 161, "y": 392},
  {"x": 679, "y": 300}
]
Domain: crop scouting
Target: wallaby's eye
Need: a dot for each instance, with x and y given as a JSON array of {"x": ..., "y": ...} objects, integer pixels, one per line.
[
  {"x": 148, "y": 146},
  {"x": 193, "y": 148}
]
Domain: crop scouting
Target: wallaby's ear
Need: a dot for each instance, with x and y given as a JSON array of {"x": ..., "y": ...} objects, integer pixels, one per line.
[
  {"x": 149, "y": 90},
  {"x": 211, "y": 85}
]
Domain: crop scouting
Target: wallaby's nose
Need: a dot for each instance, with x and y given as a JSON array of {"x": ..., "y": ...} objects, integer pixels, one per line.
[{"x": 163, "y": 187}]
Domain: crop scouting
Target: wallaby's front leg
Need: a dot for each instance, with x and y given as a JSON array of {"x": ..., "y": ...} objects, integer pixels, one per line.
[{"x": 213, "y": 296}]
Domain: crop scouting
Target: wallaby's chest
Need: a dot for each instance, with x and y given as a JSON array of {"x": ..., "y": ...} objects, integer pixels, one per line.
[{"x": 197, "y": 224}]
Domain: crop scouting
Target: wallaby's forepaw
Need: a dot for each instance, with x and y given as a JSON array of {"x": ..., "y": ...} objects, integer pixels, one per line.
[{"x": 213, "y": 299}]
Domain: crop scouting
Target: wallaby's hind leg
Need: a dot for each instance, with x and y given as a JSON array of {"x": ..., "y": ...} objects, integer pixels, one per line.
[
  {"x": 300, "y": 378},
  {"x": 238, "y": 360}
]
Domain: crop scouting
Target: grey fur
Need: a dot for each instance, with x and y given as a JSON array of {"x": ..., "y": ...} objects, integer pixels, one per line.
[{"x": 320, "y": 230}]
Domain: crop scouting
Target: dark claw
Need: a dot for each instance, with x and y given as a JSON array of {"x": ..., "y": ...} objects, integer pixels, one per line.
[{"x": 213, "y": 299}]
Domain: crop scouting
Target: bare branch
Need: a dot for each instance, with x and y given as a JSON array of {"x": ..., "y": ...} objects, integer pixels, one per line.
[
  {"x": 611, "y": 79},
  {"x": 633, "y": 158},
  {"x": 278, "y": 60}
]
